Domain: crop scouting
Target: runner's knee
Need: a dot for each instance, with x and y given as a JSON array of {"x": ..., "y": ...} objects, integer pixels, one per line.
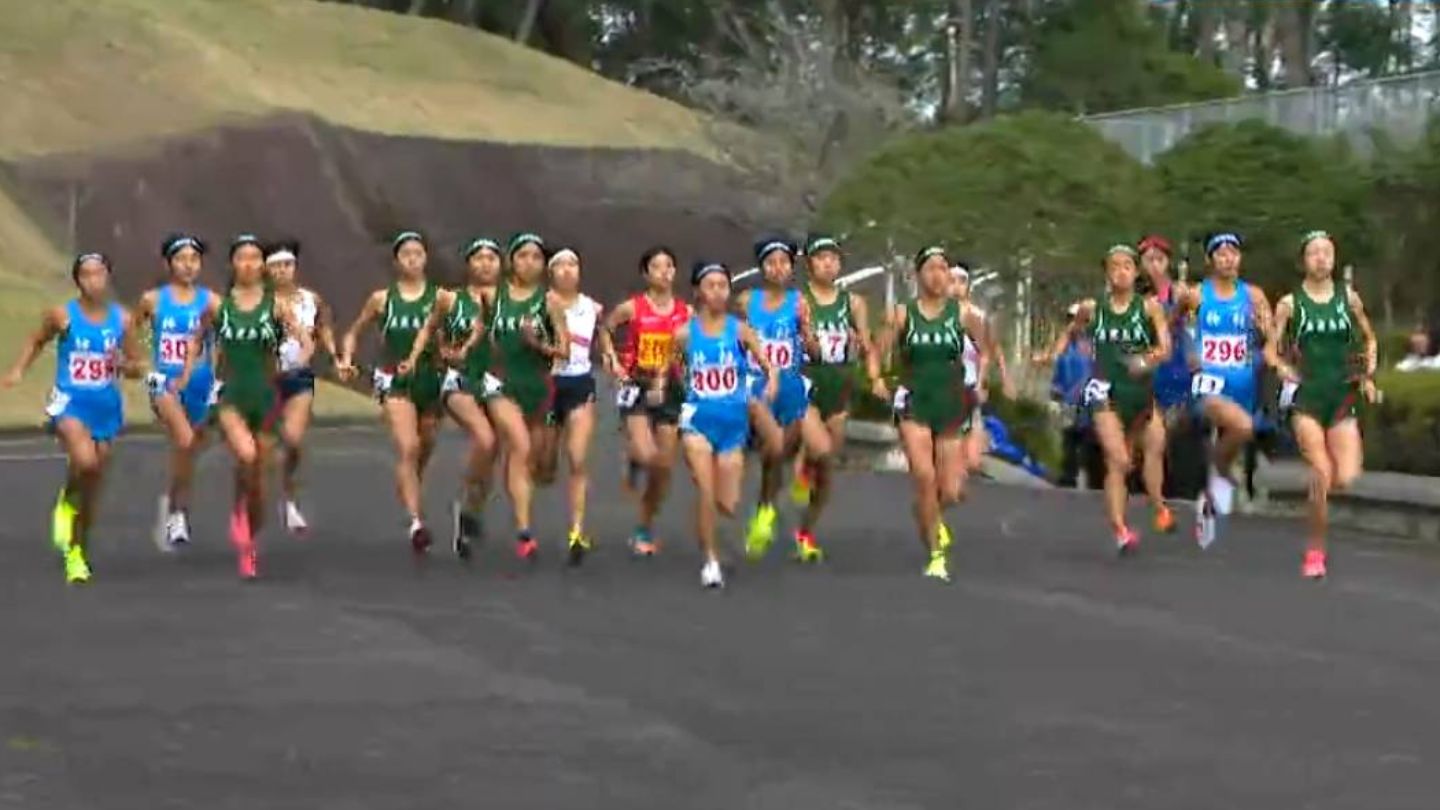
[{"x": 1343, "y": 478}]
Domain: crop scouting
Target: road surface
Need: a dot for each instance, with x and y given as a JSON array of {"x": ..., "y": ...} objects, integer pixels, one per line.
[{"x": 1049, "y": 675}]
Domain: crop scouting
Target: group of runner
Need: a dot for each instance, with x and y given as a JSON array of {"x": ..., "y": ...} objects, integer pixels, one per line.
[
  {"x": 509, "y": 356},
  {"x": 1201, "y": 347}
]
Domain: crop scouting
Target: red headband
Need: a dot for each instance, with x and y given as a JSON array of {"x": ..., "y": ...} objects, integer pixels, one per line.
[{"x": 1155, "y": 242}]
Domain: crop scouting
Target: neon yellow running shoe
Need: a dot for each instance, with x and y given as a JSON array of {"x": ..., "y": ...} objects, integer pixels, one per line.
[
  {"x": 761, "y": 533},
  {"x": 577, "y": 545},
  {"x": 944, "y": 538},
  {"x": 62, "y": 523},
  {"x": 938, "y": 568},
  {"x": 77, "y": 571}
]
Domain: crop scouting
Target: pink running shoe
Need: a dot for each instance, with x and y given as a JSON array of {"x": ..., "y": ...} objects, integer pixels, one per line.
[
  {"x": 1314, "y": 565},
  {"x": 1127, "y": 542},
  {"x": 247, "y": 561}
]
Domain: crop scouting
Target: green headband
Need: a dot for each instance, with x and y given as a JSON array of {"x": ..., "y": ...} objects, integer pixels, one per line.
[
  {"x": 819, "y": 243},
  {"x": 1311, "y": 236},
  {"x": 520, "y": 240},
  {"x": 926, "y": 254},
  {"x": 478, "y": 244}
]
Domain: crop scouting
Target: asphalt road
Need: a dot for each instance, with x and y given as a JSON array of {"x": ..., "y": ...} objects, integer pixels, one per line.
[{"x": 1049, "y": 675}]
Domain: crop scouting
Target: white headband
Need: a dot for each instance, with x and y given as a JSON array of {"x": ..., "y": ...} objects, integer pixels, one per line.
[
  {"x": 960, "y": 272},
  {"x": 563, "y": 253},
  {"x": 280, "y": 256}
]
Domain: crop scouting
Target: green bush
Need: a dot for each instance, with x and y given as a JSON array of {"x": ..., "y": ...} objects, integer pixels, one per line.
[{"x": 1402, "y": 433}]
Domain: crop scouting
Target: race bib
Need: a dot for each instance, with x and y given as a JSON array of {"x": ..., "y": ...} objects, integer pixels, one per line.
[
  {"x": 174, "y": 348},
  {"x": 1225, "y": 350},
  {"x": 714, "y": 381},
  {"x": 1097, "y": 392},
  {"x": 808, "y": 386},
  {"x": 381, "y": 383},
  {"x": 156, "y": 383},
  {"x": 834, "y": 346},
  {"x": 1287, "y": 395},
  {"x": 490, "y": 386},
  {"x": 216, "y": 390},
  {"x": 56, "y": 403},
  {"x": 780, "y": 353},
  {"x": 627, "y": 396},
  {"x": 453, "y": 381},
  {"x": 653, "y": 353},
  {"x": 91, "y": 369},
  {"x": 1206, "y": 385},
  {"x": 972, "y": 374},
  {"x": 901, "y": 401},
  {"x": 687, "y": 416}
]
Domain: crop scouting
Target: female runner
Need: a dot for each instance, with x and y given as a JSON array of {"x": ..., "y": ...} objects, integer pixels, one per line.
[
  {"x": 409, "y": 392},
  {"x": 716, "y": 416},
  {"x": 297, "y": 379},
  {"x": 648, "y": 385},
  {"x": 172, "y": 311},
  {"x": 933, "y": 406},
  {"x": 1130, "y": 336},
  {"x": 1317, "y": 326},
  {"x": 248, "y": 331},
  {"x": 85, "y": 412}
]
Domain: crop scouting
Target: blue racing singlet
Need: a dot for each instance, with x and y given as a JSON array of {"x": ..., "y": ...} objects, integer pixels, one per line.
[
  {"x": 778, "y": 331},
  {"x": 85, "y": 357},
  {"x": 174, "y": 324},
  {"x": 714, "y": 378},
  {"x": 1225, "y": 330},
  {"x": 1172, "y": 377}
]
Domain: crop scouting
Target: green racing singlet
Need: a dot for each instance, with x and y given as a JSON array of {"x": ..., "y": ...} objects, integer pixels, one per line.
[
  {"x": 249, "y": 342},
  {"x": 1117, "y": 337},
  {"x": 932, "y": 376},
  {"x": 832, "y": 373},
  {"x": 464, "y": 317},
  {"x": 523, "y": 372},
  {"x": 402, "y": 323},
  {"x": 1322, "y": 337}
]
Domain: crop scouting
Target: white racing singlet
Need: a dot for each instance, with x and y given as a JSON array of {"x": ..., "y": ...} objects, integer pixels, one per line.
[
  {"x": 306, "y": 309},
  {"x": 971, "y": 354},
  {"x": 580, "y": 319}
]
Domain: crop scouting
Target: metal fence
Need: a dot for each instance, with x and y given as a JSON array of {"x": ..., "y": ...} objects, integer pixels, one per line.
[{"x": 1400, "y": 106}]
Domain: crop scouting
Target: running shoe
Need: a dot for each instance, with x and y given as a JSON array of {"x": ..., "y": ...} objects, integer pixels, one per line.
[
  {"x": 246, "y": 559},
  {"x": 761, "y": 533},
  {"x": 943, "y": 538},
  {"x": 419, "y": 536},
  {"x": 1222, "y": 492},
  {"x": 1313, "y": 566},
  {"x": 711, "y": 576},
  {"x": 294, "y": 519},
  {"x": 62, "y": 523},
  {"x": 1204, "y": 522},
  {"x": 526, "y": 548},
  {"x": 641, "y": 544},
  {"x": 577, "y": 546},
  {"x": 1127, "y": 542},
  {"x": 800, "y": 487},
  {"x": 465, "y": 528},
  {"x": 806, "y": 549},
  {"x": 939, "y": 567},
  {"x": 1164, "y": 519},
  {"x": 77, "y": 571},
  {"x": 177, "y": 529}
]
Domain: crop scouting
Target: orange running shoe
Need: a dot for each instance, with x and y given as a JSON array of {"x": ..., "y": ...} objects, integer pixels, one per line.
[{"x": 1164, "y": 519}]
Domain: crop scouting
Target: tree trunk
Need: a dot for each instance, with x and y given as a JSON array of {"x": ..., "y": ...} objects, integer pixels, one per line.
[
  {"x": 1402, "y": 21},
  {"x": 990, "y": 67},
  {"x": 959, "y": 33},
  {"x": 527, "y": 20},
  {"x": 417, "y": 7},
  {"x": 1236, "y": 22},
  {"x": 1207, "y": 22},
  {"x": 1292, "y": 28}
]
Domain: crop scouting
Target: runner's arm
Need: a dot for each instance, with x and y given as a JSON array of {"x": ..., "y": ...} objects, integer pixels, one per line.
[
  {"x": 977, "y": 324},
  {"x": 617, "y": 317},
  {"x": 444, "y": 301},
  {"x": 291, "y": 324},
  {"x": 751, "y": 342},
  {"x": 1367, "y": 332},
  {"x": 808, "y": 341},
  {"x": 555, "y": 310},
  {"x": 325, "y": 327},
  {"x": 371, "y": 310},
  {"x": 1161, "y": 352},
  {"x": 860, "y": 324},
  {"x": 197, "y": 343},
  {"x": 53, "y": 321},
  {"x": 1264, "y": 316},
  {"x": 740, "y": 306},
  {"x": 1284, "y": 309},
  {"x": 132, "y": 356},
  {"x": 1085, "y": 311}
]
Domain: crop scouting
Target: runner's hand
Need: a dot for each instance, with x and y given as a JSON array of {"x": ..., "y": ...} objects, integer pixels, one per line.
[
  {"x": 1368, "y": 389},
  {"x": 11, "y": 378},
  {"x": 879, "y": 389},
  {"x": 772, "y": 387},
  {"x": 404, "y": 367}
]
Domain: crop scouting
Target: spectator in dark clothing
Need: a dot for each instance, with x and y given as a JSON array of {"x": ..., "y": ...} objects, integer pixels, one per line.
[{"x": 1073, "y": 368}]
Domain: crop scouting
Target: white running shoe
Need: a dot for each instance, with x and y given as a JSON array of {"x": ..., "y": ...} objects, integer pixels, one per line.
[
  {"x": 711, "y": 576},
  {"x": 1204, "y": 522},
  {"x": 158, "y": 533},
  {"x": 177, "y": 529},
  {"x": 295, "y": 522},
  {"x": 1222, "y": 492}
]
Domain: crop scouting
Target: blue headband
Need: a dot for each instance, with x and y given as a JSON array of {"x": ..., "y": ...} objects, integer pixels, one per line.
[{"x": 1217, "y": 241}]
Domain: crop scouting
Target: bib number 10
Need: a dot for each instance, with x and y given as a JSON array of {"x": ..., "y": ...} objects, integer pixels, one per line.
[{"x": 780, "y": 353}]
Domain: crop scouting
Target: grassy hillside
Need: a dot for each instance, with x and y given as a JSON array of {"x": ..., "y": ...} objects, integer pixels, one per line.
[
  {"x": 81, "y": 74},
  {"x": 88, "y": 76}
]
